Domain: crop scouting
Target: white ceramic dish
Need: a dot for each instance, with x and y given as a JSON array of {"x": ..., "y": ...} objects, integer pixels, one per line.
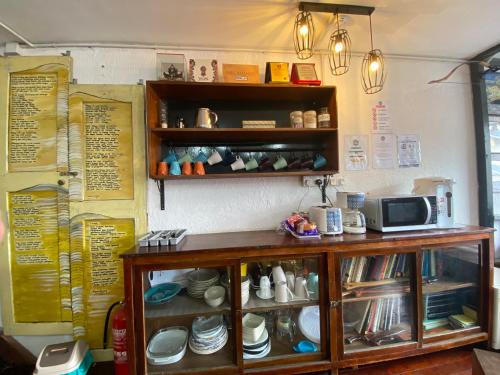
[
  {"x": 260, "y": 340},
  {"x": 253, "y": 326},
  {"x": 270, "y": 295},
  {"x": 214, "y": 296},
  {"x": 168, "y": 345},
  {"x": 265, "y": 352},
  {"x": 309, "y": 323}
]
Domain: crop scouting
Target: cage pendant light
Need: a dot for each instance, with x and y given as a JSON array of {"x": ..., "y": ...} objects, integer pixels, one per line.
[
  {"x": 303, "y": 35},
  {"x": 339, "y": 51},
  {"x": 373, "y": 69}
]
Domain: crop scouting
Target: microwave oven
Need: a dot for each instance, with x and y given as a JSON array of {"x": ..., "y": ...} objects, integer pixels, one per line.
[{"x": 400, "y": 213}]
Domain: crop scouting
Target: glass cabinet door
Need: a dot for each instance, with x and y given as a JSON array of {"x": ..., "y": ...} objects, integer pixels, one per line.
[
  {"x": 377, "y": 301},
  {"x": 188, "y": 320},
  {"x": 280, "y": 310},
  {"x": 451, "y": 295}
]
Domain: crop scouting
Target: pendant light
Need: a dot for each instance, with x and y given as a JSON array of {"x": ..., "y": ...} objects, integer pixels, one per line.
[
  {"x": 372, "y": 69},
  {"x": 339, "y": 50},
  {"x": 303, "y": 35}
]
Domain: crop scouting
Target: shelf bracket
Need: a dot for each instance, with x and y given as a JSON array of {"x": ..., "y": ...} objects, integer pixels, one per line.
[{"x": 162, "y": 195}]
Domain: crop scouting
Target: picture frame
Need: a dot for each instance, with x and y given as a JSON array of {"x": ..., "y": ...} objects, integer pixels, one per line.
[
  {"x": 305, "y": 74},
  {"x": 170, "y": 67},
  {"x": 203, "y": 70},
  {"x": 240, "y": 73},
  {"x": 277, "y": 72}
]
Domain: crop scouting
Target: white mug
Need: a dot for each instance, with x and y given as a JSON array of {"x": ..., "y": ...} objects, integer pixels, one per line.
[
  {"x": 214, "y": 158},
  {"x": 238, "y": 164},
  {"x": 300, "y": 290},
  {"x": 278, "y": 274},
  {"x": 290, "y": 280},
  {"x": 265, "y": 287},
  {"x": 281, "y": 292}
]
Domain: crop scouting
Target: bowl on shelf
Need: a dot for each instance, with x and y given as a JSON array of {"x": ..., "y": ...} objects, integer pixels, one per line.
[
  {"x": 214, "y": 296},
  {"x": 253, "y": 327},
  {"x": 161, "y": 293}
]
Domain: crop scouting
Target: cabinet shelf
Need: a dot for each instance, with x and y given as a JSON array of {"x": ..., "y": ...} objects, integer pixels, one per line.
[
  {"x": 245, "y": 175},
  {"x": 446, "y": 285},
  {"x": 375, "y": 296},
  {"x": 184, "y": 305},
  {"x": 256, "y": 304}
]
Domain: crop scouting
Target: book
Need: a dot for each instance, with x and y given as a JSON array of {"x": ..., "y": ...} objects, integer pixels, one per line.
[
  {"x": 365, "y": 308},
  {"x": 470, "y": 312}
]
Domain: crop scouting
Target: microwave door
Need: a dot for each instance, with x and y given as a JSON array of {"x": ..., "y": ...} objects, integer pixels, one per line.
[{"x": 408, "y": 211}]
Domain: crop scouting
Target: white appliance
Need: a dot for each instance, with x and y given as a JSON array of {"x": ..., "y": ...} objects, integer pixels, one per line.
[
  {"x": 442, "y": 188},
  {"x": 353, "y": 219},
  {"x": 328, "y": 219},
  {"x": 401, "y": 212}
]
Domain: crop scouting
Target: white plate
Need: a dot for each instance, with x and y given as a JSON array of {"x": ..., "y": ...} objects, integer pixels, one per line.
[
  {"x": 309, "y": 323},
  {"x": 261, "y": 355},
  {"x": 167, "y": 346},
  {"x": 271, "y": 294},
  {"x": 210, "y": 350},
  {"x": 260, "y": 340}
]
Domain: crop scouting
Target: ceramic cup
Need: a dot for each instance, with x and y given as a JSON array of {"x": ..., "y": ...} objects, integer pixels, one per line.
[
  {"x": 281, "y": 292},
  {"x": 307, "y": 163},
  {"x": 201, "y": 157},
  {"x": 290, "y": 280},
  {"x": 295, "y": 164},
  {"x": 162, "y": 168},
  {"x": 280, "y": 163},
  {"x": 199, "y": 170},
  {"x": 229, "y": 157},
  {"x": 312, "y": 283},
  {"x": 265, "y": 164},
  {"x": 186, "y": 158},
  {"x": 319, "y": 161},
  {"x": 175, "y": 168},
  {"x": 265, "y": 287},
  {"x": 251, "y": 164},
  {"x": 278, "y": 274},
  {"x": 187, "y": 168},
  {"x": 170, "y": 157},
  {"x": 300, "y": 289},
  {"x": 238, "y": 164},
  {"x": 214, "y": 158}
]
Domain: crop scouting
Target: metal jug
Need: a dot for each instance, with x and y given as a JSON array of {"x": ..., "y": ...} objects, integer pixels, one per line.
[{"x": 206, "y": 118}]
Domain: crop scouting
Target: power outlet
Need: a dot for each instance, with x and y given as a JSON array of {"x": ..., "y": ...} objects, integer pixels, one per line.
[{"x": 311, "y": 181}]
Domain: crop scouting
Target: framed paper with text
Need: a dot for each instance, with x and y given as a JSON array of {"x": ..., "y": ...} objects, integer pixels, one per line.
[{"x": 304, "y": 74}]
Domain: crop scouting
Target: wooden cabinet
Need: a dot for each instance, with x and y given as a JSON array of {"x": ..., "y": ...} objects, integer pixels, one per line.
[
  {"x": 234, "y": 103},
  {"x": 370, "y": 298}
]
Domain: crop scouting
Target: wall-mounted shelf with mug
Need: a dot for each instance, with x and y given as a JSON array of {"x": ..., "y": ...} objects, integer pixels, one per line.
[{"x": 252, "y": 121}]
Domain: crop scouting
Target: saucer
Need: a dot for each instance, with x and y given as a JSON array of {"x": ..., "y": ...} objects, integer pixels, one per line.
[{"x": 271, "y": 294}]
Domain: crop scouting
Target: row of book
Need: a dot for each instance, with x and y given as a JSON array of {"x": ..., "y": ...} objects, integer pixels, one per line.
[
  {"x": 378, "y": 315},
  {"x": 432, "y": 264},
  {"x": 467, "y": 319},
  {"x": 374, "y": 268}
]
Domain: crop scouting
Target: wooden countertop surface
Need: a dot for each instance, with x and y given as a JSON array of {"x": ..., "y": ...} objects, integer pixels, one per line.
[{"x": 269, "y": 239}]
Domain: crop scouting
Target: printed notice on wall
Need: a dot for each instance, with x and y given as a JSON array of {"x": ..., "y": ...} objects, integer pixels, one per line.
[
  {"x": 108, "y": 165},
  {"x": 383, "y": 151},
  {"x": 32, "y": 121},
  {"x": 409, "y": 151},
  {"x": 34, "y": 247},
  {"x": 356, "y": 152},
  {"x": 98, "y": 273},
  {"x": 380, "y": 118}
]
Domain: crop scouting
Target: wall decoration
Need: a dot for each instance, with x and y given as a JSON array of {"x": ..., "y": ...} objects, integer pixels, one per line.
[
  {"x": 355, "y": 152},
  {"x": 39, "y": 253},
  {"x": 171, "y": 67},
  {"x": 380, "y": 118},
  {"x": 277, "y": 72},
  {"x": 38, "y": 114},
  {"x": 409, "y": 151},
  {"x": 101, "y": 148},
  {"x": 203, "y": 70},
  {"x": 97, "y": 271},
  {"x": 304, "y": 74},
  {"x": 240, "y": 73},
  {"x": 383, "y": 150}
]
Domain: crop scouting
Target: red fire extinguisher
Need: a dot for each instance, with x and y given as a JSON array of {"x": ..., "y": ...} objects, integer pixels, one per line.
[{"x": 119, "y": 331}]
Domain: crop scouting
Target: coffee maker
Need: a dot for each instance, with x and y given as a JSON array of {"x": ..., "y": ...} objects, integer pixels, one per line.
[
  {"x": 353, "y": 220},
  {"x": 442, "y": 188}
]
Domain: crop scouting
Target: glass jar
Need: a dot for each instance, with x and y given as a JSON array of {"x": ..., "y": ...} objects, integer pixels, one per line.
[
  {"x": 310, "y": 119},
  {"x": 323, "y": 118}
]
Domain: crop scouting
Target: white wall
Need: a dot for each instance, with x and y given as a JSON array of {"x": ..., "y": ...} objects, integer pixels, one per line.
[{"x": 441, "y": 114}]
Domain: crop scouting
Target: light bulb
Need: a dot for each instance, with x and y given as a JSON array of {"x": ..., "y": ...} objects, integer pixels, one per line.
[
  {"x": 339, "y": 46},
  {"x": 303, "y": 30},
  {"x": 374, "y": 65}
]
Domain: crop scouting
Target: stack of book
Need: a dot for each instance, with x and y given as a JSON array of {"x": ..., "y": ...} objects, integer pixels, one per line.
[
  {"x": 379, "y": 315},
  {"x": 258, "y": 124},
  {"x": 374, "y": 268},
  {"x": 432, "y": 264},
  {"x": 465, "y": 320}
]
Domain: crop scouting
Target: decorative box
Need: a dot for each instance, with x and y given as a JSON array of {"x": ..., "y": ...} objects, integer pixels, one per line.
[{"x": 201, "y": 70}]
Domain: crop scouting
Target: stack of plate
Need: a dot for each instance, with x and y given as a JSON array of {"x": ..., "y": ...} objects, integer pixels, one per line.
[
  {"x": 208, "y": 334},
  {"x": 257, "y": 348},
  {"x": 168, "y": 345},
  {"x": 245, "y": 290},
  {"x": 200, "y": 280}
]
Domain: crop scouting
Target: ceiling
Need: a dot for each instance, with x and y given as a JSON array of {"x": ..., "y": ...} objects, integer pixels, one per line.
[{"x": 437, "y": 28}]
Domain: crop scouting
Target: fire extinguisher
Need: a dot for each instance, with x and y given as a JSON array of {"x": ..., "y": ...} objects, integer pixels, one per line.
[{"x": 119, "y": 331}]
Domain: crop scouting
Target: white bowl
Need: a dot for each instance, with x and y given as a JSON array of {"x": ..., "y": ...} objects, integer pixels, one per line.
[
  {"x": 214, "y": 296},
  {"x": 253, "y": 326}
]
